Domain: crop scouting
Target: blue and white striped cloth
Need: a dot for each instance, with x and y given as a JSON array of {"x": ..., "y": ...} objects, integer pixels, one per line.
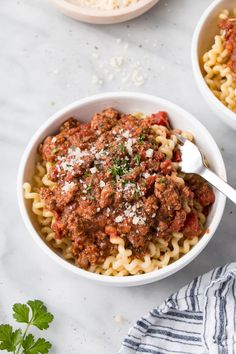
[{"x": 199, "y": 318}]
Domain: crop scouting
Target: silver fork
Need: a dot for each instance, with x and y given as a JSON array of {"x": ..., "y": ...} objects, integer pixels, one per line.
[{"x": 193, "y": 162}]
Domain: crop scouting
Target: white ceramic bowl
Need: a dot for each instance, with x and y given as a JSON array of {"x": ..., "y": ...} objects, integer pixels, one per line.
[
  {"x": 202, "y": 41},
  {"x": 92, "y": 15},
  {"x": 125, "y": 102}
]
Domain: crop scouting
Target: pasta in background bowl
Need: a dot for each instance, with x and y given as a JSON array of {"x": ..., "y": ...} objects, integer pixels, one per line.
[
  {"x": 214, "y": 78},
  {"x": 125, "y": 102}
]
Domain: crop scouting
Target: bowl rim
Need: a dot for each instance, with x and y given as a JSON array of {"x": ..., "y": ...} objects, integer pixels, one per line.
[
  {"x": 99, "y": 13},
  {"x": 201, "y": 83},
  {"x": 134, "y": 279}
]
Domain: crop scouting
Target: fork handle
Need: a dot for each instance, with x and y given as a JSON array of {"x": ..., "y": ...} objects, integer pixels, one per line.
[{"x": 219, "y": 183}]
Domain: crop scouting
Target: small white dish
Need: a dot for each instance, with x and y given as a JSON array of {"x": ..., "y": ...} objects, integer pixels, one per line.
[
  {"x": 126, "y": 102},
  {"x": 202, "y": 41},
  {"x": 97, "y": 16}
]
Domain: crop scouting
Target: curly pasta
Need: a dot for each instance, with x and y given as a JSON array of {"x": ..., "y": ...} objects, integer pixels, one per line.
[
  {"x": 123, "y": 263},
  {"x": 161, "y": 253},
  {"x": 218, "y": 74}
]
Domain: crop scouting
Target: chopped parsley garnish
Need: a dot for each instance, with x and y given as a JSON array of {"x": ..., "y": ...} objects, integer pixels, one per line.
[
  {"x": 119, "y": 168},
  {"x": 161, "y": 180},
  {"x": 33, "y": 313},
  {"x": 137, "y": 193},
  {"x": 89, "y": 188},
  {"x": 137, "y": 159},
  {"x": 55, "y": 149},
  {"x": 121, "y": 147},
  {"x": 87, "y": 174},
  {"x": 142, "y": 137}
]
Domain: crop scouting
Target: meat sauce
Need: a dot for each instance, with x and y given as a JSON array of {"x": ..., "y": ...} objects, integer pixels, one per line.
[
  {"x": 111, "y": 180},
  {"x": 229, "y": 27}
]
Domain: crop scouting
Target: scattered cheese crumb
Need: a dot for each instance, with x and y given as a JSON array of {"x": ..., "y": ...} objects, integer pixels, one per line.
[
  {"x": 126, "y": 134},
  {"x": 67, "y": 186},
  {"x": 119, "y": 319},
  {"x": 102, "y": 184},
  {"x": 97, "y": 81},
  {"x": 146, "y": 175},
  {"x": 135, "y": 220},
  {"x": 93, "y": 170},
  {"x": 138, "y": 220},
  {"x": 137, "y": 78},
  {"x": 117, "y": 62},
  {"x": 149, "y": 152},
  {"x": 119, "y": 218},
  {"x": 96, "y": 55}
]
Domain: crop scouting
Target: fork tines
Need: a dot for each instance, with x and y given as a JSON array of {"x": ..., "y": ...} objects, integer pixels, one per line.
[{"x": 181, "y": 139}]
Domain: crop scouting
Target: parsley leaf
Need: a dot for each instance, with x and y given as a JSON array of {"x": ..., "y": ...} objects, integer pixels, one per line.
[
  {"x": 41, "y": 318},
  {"x": 34, "y": 313},
  {"x": 34, "y": 347},
  {"x": 141, "y": 137},
  {"x": 21, "y": 313},
  {"x": 9, "y": 339},
  {"x": 137, "y": 159}
]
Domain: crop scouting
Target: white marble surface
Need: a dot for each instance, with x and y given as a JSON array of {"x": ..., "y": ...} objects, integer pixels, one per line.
[{"x": 47, "y": 61}]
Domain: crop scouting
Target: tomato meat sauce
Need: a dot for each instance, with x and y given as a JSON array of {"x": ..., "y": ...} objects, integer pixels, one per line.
[
  {"x": 229, "y": 27},
  {"x": 111, "y": 180}
]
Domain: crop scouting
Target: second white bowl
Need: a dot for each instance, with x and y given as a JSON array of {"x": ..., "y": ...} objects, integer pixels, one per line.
[{"x": 202, "y": 41}]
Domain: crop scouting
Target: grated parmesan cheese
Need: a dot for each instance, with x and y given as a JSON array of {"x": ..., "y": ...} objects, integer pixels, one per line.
[
  {"x": 117, "y": 62},
  {"x": 138, "y": 220},
  {"x": 146, "y": 175},
  {"x": 126, "y": 134},
  {"x": 68, "y": 186},
  {"x": 149, "y": 152},
  {"x": 102, "y": 184},
  {"x": 103, "y": 4},
  {"x": 93, "y": 170},
  {"x": 119, "y": 218}
]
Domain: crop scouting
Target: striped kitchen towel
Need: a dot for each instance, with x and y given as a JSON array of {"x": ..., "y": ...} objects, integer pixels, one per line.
[{"x": 199, "y": 318}]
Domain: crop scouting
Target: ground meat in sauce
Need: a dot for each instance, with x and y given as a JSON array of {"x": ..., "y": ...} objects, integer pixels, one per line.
[
  {"x": 229, "y": 27},
  {"x": 111, "y": 180}
]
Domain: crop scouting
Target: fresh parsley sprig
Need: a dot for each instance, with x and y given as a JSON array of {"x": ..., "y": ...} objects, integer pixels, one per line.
[{"x": 34, "y": 313}]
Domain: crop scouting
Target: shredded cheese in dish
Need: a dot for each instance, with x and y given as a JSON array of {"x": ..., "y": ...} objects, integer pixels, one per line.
[{"x": 104, "y": 5}]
